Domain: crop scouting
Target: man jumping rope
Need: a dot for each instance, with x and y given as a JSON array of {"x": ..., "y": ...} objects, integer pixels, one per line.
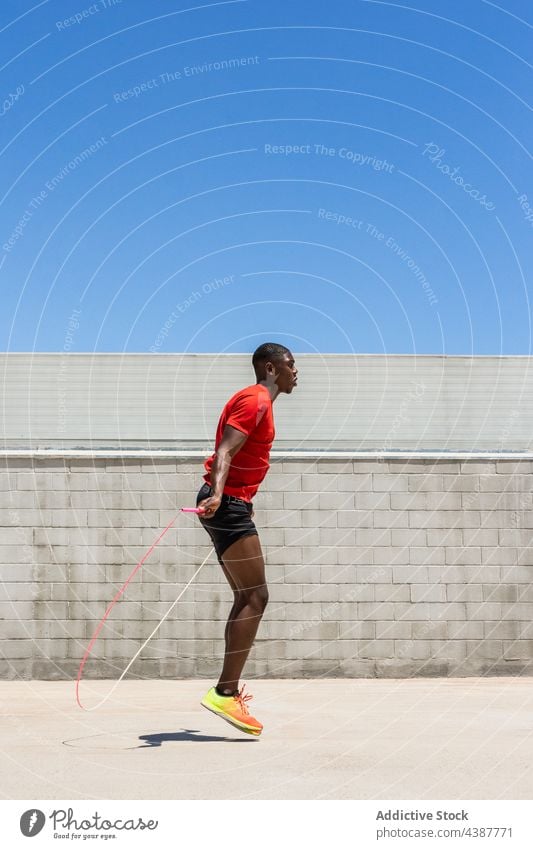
[{"x": 244, "y": 437}]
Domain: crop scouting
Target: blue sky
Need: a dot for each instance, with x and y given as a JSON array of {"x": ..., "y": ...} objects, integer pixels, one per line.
[{"x": 352, "y": 176}]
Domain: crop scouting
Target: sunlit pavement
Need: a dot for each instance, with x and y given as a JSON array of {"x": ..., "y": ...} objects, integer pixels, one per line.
[{"x": 461, "y": 738}]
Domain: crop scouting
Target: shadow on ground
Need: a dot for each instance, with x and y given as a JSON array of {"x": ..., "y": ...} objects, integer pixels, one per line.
[{"x": 186, "y": 735}]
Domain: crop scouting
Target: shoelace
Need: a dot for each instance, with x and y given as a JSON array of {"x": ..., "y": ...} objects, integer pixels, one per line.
[{"x": 242, "y": 699}]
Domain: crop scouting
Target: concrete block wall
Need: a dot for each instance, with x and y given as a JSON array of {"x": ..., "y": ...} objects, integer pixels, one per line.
[{"x": 376, "y": 568}]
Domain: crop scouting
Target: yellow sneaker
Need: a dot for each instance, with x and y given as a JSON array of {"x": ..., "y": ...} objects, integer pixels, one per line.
[{"x": 233, "y": 709}]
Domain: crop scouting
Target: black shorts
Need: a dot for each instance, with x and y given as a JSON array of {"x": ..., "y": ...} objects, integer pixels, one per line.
[{"x": 232, "y": 520}]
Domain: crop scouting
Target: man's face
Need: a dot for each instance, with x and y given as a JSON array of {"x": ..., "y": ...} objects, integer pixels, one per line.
[{"x": 286, "y": 372}]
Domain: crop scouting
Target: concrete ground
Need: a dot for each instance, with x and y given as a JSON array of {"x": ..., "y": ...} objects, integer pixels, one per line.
[{"x": 463, "y": 738}]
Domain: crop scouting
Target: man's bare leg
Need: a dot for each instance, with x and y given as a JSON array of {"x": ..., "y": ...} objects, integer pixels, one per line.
[{"x": 244, "y": 568}]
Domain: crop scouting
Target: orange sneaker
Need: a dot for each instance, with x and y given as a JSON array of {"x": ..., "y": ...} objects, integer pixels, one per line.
[{"x": 233, "y": 709}]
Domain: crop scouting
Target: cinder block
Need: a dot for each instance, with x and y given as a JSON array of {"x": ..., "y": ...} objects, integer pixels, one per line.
[
  {"x": 28, "y": 518},
  {"x": 354, "y": 483},
  {"x": 376, "y": 648},
  {"x": 306, "y": 574},
  {"x": 460, "y": 483},
  {"x": 478, "y": 467},
  {"x": 464, "y": 592},
  {"x": 337, "y": 536},
  {"x": 334, "y": 501},
  {"x": 414, "y": 649},
  {"x": 378, "y": 611},
  {"x": 357, "y": 630},
  {"x": 70, "y": 592},
  {"x": 318, "y": 556},
  {"x": 16, "y": 648},
  {"x": 524, "y": 592},
  {"x": 431, "y": 482},
  {"x": 391, "y": 592},
  {"x": 465, "y": 630},
  {"x": 505, "y": 519},
  {"x": 514, "y": 467},
  {"x": 460, "y": 555},
  {"x": 18, "y": 572},
  {"x": 499, "y": 556},
  {"x": 73, "y": 518},
  {"x": 341, "y": 649},
  {"x": 389, "y": 483},
  {"x": 50, "y": 572},
  {"x": 301, "y": 536},
  {"x": 137, "y": 482},
  {"x": 518, "y": 650},
  {"x": 301, "y": 501},
  {"x": 447, "y": 649},
  {"x": 318, "y": 519},
  {"x": 501, "y": 592},
  {"x": 286, "y": 483},
  {"x": 424, "y": 611},
  {"x": 271, "y": 537},
  {"x": 391, "y": 519},
  {"x": 412, "y": 575},
  {"x": 486, "y": 611},
  {"x": 106, "y": 465},
  {"x": 505, "y": 483},
  {"x": 486, "y": 649},
  {"x": 365, "y": 467},
  {"x": 427, "y": 592},
  {"x": 288, "y": 518},
  {"x": 525, "y": 630},
  {"x": 165, "y": 467},
  {"x": 29, "y": 591},
  {"x": 16, "y": 610},
  {"x": 489, "y": 501},
  {"x": 319, "y": 483},
  {"x": 374, "y": 574},
  {"x": 502, "y": 630},
  {"x": 444, "y": 519},
  {"x": 477, "y": 536},
  {"x": 51, "y": 610},
  {"x": 373, "y": 536},
  {"x": 16, "y": 629},
  {"x": 35, "y": 481},
  {"x": 426, "y": 556},
  {"x": 354, "y": 555},
  {"x": 402, "y": 537},
  {"x": 13, "y": 501},
  {"x": 295, "y": 592},
  {"x": 335, "y": 467},
  {"x": 13, "y": 554},
  {"x": 370, "y": 501},
  {"x": 391, "y": 630},
  {"x": 514, "y": 537},
  {"x": 426, "y": 501},
  {"x": 350, "y": 592},
  {"x": 432, "y": 630},
  {"x": 296, "y": 467},
  {"x": 391, "y": 556}
]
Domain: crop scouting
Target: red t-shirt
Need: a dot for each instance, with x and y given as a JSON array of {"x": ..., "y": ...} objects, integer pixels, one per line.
[{"x": 250, "y": 411}]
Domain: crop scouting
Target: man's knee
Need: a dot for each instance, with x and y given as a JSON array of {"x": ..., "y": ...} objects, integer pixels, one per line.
[{"x": 257, "y": 597}]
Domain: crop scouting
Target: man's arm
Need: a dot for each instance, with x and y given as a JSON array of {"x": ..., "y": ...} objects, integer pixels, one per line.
[{"x": 231, "y": 442}]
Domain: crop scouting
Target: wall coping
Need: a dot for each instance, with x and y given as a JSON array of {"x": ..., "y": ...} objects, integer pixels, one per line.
[{"x": 275, "y": 455}]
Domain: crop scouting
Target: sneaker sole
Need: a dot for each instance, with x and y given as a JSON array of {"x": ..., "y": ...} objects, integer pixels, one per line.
[{"x": 234, "y": 722}]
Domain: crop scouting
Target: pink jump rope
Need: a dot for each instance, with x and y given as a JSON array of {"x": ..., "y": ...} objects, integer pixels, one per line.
[{"x": 115, "y": 599}]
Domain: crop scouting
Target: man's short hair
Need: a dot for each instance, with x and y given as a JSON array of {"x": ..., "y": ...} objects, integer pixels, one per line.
[{"x": 268, "y": 351}]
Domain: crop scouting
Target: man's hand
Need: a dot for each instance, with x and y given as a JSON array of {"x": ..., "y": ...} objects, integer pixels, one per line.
[{"x": 210, "y": 505}]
